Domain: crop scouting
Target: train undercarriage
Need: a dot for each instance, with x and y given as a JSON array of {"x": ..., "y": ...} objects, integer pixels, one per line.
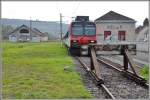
[{"x": 79, "y": 51}]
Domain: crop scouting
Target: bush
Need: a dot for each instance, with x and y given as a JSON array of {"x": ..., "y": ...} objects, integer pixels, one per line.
[{"x": 145, "y": 72}]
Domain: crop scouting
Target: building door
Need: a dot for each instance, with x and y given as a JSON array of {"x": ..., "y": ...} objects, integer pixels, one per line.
[
  {"x": 121, "y": 35},
  {"x": 106, "y": 34}
]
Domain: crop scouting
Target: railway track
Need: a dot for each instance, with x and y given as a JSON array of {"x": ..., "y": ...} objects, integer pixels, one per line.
[
  {"x": 119, "y": 60},
  {"x": 96, "y": 80},
  {"x": 111, "y": 88},
  {"x": 118, "y": 67}
]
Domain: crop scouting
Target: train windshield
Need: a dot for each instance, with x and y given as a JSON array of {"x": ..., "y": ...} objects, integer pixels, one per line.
[
  {"x": 77, "y": 29},
  {"x": 90, "y": 29},
  {"x": 83, "y": 28}
]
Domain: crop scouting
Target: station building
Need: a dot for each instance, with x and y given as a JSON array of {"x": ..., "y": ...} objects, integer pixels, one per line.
[
  {"x": 25, "y": 34},
  {"x": 115, "y": 27}
]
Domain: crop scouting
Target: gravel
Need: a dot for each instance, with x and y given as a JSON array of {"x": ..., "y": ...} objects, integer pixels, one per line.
[
  {"x": 121, "y": 87},
  {"x": 88, "y": 83}
]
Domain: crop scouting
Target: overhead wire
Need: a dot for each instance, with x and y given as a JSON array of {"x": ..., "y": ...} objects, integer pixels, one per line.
[
  {"x": 57, "y": 7},
  {"x": 74, "y": 12}
]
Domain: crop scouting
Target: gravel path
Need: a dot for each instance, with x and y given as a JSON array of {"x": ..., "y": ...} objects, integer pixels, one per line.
[{"x": 121, "y": 87}]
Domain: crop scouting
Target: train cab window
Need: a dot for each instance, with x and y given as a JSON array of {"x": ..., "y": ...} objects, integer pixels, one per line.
[
  {"x": 90, "y": 30},
  {"x": 66, "y": 35},
  {"x": 77, "y": 29}
]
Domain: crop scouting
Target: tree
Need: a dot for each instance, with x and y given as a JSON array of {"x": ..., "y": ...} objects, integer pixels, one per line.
[
  {"x": 146, "y": 22},
  {"x": 6, "y": 29}
]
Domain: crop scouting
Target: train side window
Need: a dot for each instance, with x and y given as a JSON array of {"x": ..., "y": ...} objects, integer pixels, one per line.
[{"x": 67, "y": 34}]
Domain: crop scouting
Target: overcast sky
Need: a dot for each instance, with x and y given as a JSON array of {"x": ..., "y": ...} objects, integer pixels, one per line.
[{"x": 49, "y": 11}]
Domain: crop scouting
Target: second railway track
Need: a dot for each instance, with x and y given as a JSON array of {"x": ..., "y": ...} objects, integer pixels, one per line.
[
  {"x": 116, "y": 85},
  {"x": 118, "y": 67}
]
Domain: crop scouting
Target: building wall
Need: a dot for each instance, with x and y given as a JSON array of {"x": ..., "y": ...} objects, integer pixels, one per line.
[
  {"x": 142, "y": 46},
  {"x": 45, "y": 38},
  {"x": 36, "y": 39},
  {"x": 114, "y": 28},
  {"x": 143, "y": 34},
  {"x": 12, "y": 38},
  {"x": 142, "y": 40}
]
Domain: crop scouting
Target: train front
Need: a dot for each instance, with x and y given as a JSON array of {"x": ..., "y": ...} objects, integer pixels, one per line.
[{"x": 82, "y": 34}]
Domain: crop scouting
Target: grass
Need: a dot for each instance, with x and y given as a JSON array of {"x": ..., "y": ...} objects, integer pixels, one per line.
[
  {"x": 36, "y": 70},
  {"x": 145, "y": 72}
]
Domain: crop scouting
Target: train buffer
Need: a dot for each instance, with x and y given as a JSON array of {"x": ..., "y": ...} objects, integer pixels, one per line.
[{"x": 126, "y": 49}]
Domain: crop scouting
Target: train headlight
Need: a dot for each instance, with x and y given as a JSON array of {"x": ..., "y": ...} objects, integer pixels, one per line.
[
  {"x": 74, "y": 41},
  {"x": 92, "y": 41}
]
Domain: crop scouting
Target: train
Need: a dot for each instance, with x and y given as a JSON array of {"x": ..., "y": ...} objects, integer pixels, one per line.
[{"x": 80, "y": 34}]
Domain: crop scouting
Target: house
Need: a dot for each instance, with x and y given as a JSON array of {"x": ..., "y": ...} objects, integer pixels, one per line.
[
  {"x": 143, "y": 39},
  {"x": 115, "y": 27},
  {"x": 24, "y": 33},
  {"x": 143, "y": 34}
]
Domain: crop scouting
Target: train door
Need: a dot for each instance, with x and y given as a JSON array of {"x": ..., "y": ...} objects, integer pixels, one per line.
[{"x": 67, "y": 39}]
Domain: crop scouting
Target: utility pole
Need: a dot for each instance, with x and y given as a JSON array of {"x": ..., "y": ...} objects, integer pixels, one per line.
[
  {"x": 61, "y": 28},
  {"x": 30, "y": 29}
]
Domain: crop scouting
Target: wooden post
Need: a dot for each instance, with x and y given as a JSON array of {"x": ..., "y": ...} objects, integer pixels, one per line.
[
  {"x": 95, "y": 66},
  {"x": 125, "y": 61},
  {"x": 130, "y": 61},
  {"x": 92, "y": 65}
]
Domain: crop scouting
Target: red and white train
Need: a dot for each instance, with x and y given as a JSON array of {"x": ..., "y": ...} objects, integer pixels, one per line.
[{"x": 80, "y": 34}]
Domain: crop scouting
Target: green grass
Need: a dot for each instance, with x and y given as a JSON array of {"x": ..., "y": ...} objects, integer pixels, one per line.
[
  {"x": 36, "y": 70},
  {"x": 145, "y": 72}
]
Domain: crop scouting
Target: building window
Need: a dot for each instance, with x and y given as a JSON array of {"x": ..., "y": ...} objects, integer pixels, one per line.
[
  {"x": 24, "y": 31},
  {"x": 106, "y": 34},
  {"x": 121, "y": 35}
]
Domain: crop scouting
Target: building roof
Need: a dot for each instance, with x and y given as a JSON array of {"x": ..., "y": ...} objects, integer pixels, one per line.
[
  {"x": 142, "y": 33},
  {"x": 138, "y": 29},
  {"x": 33, "y": 30},
  {"x": 111, "y": 15}
]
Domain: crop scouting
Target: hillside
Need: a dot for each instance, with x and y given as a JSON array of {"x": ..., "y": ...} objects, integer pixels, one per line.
[{"x": 52, "y": 27}]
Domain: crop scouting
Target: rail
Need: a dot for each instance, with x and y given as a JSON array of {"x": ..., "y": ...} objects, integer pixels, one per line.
[
  {"x": 128, "y": 60},
  {"x": 99, "y": 82}
]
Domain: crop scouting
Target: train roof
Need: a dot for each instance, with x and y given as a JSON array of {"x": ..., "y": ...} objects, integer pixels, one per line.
[
  {"x": 82, "y": 18},
  {"x": 83, "y": 21}
]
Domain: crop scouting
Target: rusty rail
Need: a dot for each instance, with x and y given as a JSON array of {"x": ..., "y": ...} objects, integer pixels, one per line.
[
  {"x": 95, "y": 71},
  {"x": 128, "y": 74},
  {"x": 99, "y": 82},
  {"x": 124, "y": 50}
]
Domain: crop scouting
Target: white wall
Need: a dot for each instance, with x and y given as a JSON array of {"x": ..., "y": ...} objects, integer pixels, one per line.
[
  {"x": 142, "y": 34},
  {"x": 44, "y": 38},
  {"x": 142, "y": 46},
  {"x": 36, "y": 39},
  {"x": 114, "y": 27},
  {"x": 12, "y": 39}
]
